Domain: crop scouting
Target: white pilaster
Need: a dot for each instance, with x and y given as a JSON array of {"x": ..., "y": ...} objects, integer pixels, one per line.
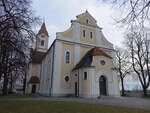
[
  {"x": 76, "y": 54},
  {"x": 76, "y": 31},
  {"x": 57, "y": 68}
]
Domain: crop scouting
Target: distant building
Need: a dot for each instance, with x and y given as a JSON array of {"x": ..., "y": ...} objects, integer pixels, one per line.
[{"x": 79, "y": 62}]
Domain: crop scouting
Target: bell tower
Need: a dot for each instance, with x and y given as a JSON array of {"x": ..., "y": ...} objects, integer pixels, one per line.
[{"x": 42, "y": 39}]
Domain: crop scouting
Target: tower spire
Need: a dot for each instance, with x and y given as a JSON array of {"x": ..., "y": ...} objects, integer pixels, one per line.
[
  {"x": 43, "y": 30},
  {"x": 42, "y": 39}
]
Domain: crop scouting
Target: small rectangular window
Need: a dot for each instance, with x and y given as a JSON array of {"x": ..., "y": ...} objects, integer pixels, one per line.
[
  {"x": 91, "y": 35},
  {"x": 85, "y": 75},
  {"x": 83, "y": 33}
]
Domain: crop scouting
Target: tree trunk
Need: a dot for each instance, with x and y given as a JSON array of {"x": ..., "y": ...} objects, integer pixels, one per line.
[
  {"x": 11, "y": 85},
  {"x": 122, "y": 85},
  {"x": 5, "y": 85},
  {"x": 145, "y": 91},
  {"x": 24, "y": 84}
]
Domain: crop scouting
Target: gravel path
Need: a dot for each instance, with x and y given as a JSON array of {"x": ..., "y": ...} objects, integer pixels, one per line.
[{"x": 129, "y": 102}]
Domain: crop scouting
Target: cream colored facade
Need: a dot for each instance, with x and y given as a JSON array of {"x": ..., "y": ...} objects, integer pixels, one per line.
[
  {"x": 38, "y": 43},
  {"x": 61, "y": 71}
]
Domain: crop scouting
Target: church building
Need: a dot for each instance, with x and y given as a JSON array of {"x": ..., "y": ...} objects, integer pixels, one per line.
[{"x": 79, "y": 62}]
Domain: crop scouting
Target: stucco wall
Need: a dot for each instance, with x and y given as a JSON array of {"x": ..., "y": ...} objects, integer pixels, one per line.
[
  {"x": 83, "y": 19},
  {"x": 38, "y": 43},
  {"x": 66, "y": 69},
  {"x": 83, "y": 51},
  {"x": 87, "y": 38},
  {"x": 46, "y": 73},
  {"x": 36, "y": 70}
]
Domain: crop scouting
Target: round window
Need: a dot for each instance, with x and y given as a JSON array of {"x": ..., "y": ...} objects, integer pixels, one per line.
[
  {"x": 66, "y": 78},
  {"x": 102, "y": 62}
]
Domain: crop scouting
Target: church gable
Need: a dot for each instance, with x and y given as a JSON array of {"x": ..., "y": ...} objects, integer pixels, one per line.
[
  {"x": 86, "y": 18},
  {"x": 68, "y": 33},
  {"x": 105, "y": 42},
  {"x": 84, "y": 30},
  {"x": 87, "y": 35}
]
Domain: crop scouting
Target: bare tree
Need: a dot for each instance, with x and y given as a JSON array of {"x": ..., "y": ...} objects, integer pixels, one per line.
[
  {"x": 134, "y": 11},
  {"x": 139, "y": 47},
  {"x": 123, "y": 65},
  {"x": 137, "y": 13},
  {"x": 16, "y": 36}
]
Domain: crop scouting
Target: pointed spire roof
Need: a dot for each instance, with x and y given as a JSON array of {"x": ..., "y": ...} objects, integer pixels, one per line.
[{"x": 43, "y": 30}]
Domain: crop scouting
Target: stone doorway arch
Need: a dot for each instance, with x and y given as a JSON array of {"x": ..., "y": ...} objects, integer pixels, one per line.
[{"x": 103, "y": 85}]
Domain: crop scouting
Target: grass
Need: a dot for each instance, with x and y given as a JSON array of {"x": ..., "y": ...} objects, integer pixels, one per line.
[
  {"x": 18, "y": 96},
  {"x": 60, "y": 107},
  {"x": 138, "y": 95}
]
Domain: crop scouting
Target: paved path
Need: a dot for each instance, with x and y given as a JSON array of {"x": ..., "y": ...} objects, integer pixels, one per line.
[{"x": 129, "y": 102}]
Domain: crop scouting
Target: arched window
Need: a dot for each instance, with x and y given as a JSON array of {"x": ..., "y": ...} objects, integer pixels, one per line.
[
  {"x": 87, "y": 21},
  {"x": 85, "y": 75},
  {"x": 42, "y": 42},
  {"x": 83, "y": 33},
  {"x": 91, "y": 35},
  {"x": 67, "y": 57}
]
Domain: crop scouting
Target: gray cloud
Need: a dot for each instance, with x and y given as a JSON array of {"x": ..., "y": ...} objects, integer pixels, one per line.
[{"x": 58, "y": 13}]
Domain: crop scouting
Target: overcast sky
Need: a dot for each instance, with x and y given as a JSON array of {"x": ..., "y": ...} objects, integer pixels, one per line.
[{"x": 58, "y": 13}]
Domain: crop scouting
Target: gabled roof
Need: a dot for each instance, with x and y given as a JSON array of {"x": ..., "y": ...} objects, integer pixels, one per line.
[
  {"x": 43, "y": 30},
  {"x": 86, "y": 61},
  {"x": 37, "y": 57},
  {"x": 97, "y": 51},
  {"x": 34, "y": 80}
]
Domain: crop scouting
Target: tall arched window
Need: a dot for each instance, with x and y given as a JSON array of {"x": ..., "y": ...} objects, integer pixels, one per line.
[
  {"x": 87, "y": 21},
  {"x": 67, "y": 57},
  {"x": 83, "y": 33},
  {"x": 42, "y": 42}
]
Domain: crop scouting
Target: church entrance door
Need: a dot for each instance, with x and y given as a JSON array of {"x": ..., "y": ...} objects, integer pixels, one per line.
[
  {"x": 102, "y": 85},
  {"x": 33, "y": 91}
]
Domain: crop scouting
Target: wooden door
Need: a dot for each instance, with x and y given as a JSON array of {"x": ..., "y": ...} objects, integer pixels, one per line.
[
  {"x": 33, "y": 91},
  {"x": 102, "y": 85}
]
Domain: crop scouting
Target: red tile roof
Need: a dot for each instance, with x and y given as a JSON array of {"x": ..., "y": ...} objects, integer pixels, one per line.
[
  {"x": 34, "y": 80},
  {"x": 37, "y": 56},
  {"x": 87, "y": 59},
  {"x": 43, "y": 30},
  {"x": 97, "y": 51}
]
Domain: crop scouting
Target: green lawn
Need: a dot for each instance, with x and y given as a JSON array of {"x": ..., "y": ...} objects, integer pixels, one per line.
[
  {"x": 18, "y": 96},
  {"x": 138, "y": 95},
  {"x": 60, "y": 107}
]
